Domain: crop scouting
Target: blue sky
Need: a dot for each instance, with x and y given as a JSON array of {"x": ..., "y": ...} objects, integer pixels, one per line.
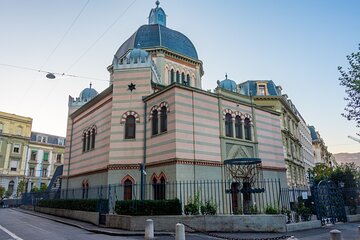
[{"x": 297, "y": 44}]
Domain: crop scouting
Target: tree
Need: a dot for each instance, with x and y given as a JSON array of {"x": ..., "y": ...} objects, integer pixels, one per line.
[
  {"x": 2, "y": 192},
  {"x": 350, "y": 79},
  {"x": 320, "y": 172},
  {"x": 20, "y": 188}
]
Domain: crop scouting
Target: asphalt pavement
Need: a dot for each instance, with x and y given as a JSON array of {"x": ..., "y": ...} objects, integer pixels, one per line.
[{"x": 28, "y": 225}]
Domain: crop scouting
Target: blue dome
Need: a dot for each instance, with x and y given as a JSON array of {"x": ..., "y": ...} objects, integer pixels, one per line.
[
  {"x": 228, "y": 84},
  {"x": 87, "y": 94},
  {"x": 137, "y": 54},
  {"x": 158, "y": 36}
]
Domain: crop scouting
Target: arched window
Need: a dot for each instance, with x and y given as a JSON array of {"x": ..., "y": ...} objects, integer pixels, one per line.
[
  {"x": 11, "y": 187},
  {"x": 188, "y": 80},
  {"x": 84, "y": 141},
  {"x": 163, "y": 119},
  {"x": 172, "y": 76},
  {"x": 162, "y": 188},
  {"x": 127, "y": 189},
  {"x": 238, "y": 127},
  {"x": 159, "y": 188},
  {"x": 183, "y": 78},
  {"x": 228, "y": 125},
  {"x": 247, "y": 127},
  {"x": 93, "y": 133},
  {"x": 177, "y": 77},
  {"x": 88, "y": 140},
  {"x": 155, "y": 122},
  {"x": 130, "y": 127}
]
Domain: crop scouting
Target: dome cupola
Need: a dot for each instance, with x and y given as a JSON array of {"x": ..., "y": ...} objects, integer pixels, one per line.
[
  {"x": 157, "y": 15},
  {"x": 87, "y": 94},
  {"x": 228, "y": 84},
  {"x": 137, "y": 55}
]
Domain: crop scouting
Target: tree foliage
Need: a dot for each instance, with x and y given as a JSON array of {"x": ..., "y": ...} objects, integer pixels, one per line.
[
  {"x": 2, "y": 192},
  {"x": 350, "y": 79},
  {"x": 20, "y": 188}
]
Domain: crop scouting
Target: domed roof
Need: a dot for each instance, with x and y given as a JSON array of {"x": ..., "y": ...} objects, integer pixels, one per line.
[
  {"x": 228, "y": 84},
  {"x": 159, "y": 36},
  {"x": 87, "y": 94},
  {"x": 137, "y": 54}
]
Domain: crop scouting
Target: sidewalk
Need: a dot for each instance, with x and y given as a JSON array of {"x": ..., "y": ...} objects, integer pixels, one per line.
[{"x": 90, "y": 227}]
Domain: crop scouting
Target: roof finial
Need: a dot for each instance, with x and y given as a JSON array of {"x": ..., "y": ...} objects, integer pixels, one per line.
[
  {"x": 225, "y": 75},
  {"x": 157, "y": 3},
  {"x": 90, "y": 84}
]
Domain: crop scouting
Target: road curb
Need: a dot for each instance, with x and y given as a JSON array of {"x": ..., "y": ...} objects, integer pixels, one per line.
[{"x": 94, "y": 230}]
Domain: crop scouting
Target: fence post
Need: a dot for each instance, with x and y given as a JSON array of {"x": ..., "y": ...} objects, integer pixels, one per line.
[
  {"x": 149, "y": 229},
  {"x": 335, "y": 235},
  {"x": 180, "y": 232}
]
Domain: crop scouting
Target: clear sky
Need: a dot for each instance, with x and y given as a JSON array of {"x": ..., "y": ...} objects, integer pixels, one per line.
[{"x": 297, "y": 44}]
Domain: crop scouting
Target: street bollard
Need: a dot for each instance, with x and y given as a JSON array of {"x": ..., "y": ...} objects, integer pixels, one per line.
[
  {"x": 180, "y": 232},
  {"x": 335, "y": 235},
  {"x": 292, "y": 238},
  {"x": 149, "y": 229}
]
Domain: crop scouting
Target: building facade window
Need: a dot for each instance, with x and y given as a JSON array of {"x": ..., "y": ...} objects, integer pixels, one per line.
[
  {"x": 46, "y": 156},
  {"x": 247, "y": 129},
  {"x": 159, "y": 188},
  {"x": 89, "y": 138},
  {"x": 238, "y": 127},
  {"x": 155, "y": 122},
  {"x": 183, "y": 81},
  {"x": 58, "y": 157},
  {"x": 61, "y": 141},
  {"x": 42, "y": 139},
  {"x": 85, "y": 189},
  {"x": 16, "y": 148},
  {"x": 33, "y": 155},
  {"x": 1, "y": 128},
  {"x": 177, "y": 77},
  {"x": 172, "y": 76},
  {"x": 130, "y": 127},
  {"x": 163, "y": 119},
  {"x": 228, "y": 125},
  {"x": 261, "y": 90},
  {"x": 187, "y": 83},
  {"x": 44, "y": 172},
  {"x": 14, "y": 165},
  {"x": 128, "y": 189},
  {"x": 31, "y": 172}
]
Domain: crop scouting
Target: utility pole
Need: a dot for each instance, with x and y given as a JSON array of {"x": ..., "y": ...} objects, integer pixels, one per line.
[{"x": 355, "y": 139}]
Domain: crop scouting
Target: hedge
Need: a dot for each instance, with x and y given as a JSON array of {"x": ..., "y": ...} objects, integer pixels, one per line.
[
  {"x": 88, "y": 205},
  {"x": 148, "y": 207}
]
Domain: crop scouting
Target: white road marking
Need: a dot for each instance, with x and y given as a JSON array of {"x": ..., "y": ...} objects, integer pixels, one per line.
[{"x": 10, "y": 233}]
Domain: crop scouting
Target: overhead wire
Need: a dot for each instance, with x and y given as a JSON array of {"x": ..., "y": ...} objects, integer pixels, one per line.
[
  {"x": 65, "y": 34},
  {"x": 44, "y": 71},
  {"x": 101, "y": 36}
]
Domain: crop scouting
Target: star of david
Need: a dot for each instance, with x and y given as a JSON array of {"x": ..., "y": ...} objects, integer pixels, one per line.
[{"x": 131, "y": 87}]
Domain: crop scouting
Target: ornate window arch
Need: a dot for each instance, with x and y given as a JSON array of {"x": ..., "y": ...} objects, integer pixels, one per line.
[
  {"x": 130, "y": 118},
  {"x": 228, "y": 125},
  {"x": 159, "y": 186},
  {"x": 88, "y": 138},
  {"x": 128, "y": 183},
  {"x": 161, "y": 110}
]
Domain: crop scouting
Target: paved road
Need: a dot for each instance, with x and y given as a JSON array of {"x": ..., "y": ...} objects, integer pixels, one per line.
[
  {"x": 15, "y": 225},
  {"x": 27, "y": 227}
]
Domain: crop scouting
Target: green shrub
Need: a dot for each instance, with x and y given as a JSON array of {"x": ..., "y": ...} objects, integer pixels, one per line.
[
  {"x": 193, "y": 206},
  {"x": 148, "y": 207},
  {"x": 208, "y": 209},
  {"x": 271, "y": 210},
  {"x": 253, "y": 209},
  {"x": 88, "y": 205}
]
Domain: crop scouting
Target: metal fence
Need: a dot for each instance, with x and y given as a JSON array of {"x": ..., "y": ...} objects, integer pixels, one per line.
[{"x": 229, "y": 197}]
